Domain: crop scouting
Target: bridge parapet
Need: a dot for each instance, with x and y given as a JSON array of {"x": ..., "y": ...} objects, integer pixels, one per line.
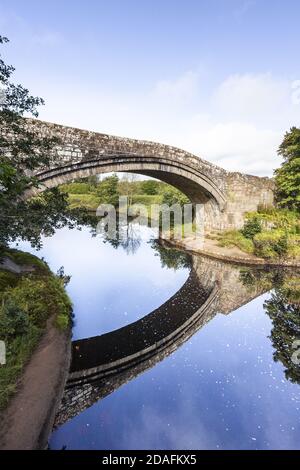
[{"x": 226, "y": 196}]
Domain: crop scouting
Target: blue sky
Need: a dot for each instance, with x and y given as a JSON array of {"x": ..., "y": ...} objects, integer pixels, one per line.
[{"x": 217, "y": 77}]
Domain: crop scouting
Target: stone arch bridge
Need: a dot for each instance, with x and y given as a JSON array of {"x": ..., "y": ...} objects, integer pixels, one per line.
[{"x": 225, "y": 196}]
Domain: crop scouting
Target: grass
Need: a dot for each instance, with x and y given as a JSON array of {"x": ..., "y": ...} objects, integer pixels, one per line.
[
  {"x": 234, "y": 238},
  {"x": 89, "y": 201},
  {"x": 269, "y": 233},
  {"x": 26, "y": 259},
  {"x": 33, "y": 298}
]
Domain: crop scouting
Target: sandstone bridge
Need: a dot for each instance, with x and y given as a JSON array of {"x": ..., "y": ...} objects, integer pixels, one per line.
[
  {"x": 101, "y": 364},
  {"x": 224, "y": 196}
]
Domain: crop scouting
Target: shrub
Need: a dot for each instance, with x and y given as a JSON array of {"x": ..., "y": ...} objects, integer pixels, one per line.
[
  {"x": 62, "y": 321},
  {"x": 251, "y": 228},
  {"x": 271, "y": 244},
  {"x": 13, "y": 320},
  {"x": 174, "y": 196},
  {"x": 294, "y": 246},
  {"x": 149, "y": 187}
]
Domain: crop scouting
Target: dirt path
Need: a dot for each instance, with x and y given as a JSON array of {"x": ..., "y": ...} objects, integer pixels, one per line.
[{"x": 28, "y": 420}]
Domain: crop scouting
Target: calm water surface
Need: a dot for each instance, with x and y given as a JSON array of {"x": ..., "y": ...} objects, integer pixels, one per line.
[{"x": 221, "y": 389}]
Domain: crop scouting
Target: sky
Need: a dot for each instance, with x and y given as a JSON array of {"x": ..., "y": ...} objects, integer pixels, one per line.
[{"x": 219, "y": 78}]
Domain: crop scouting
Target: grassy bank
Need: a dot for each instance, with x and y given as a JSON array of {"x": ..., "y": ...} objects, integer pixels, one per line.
[
  {"x": 90, "y": 194},
  {"x": 269, "y": 233},
  {"x": 27, "y": 301}
]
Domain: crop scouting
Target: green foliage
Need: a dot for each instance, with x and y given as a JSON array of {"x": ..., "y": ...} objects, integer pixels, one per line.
[
  {"x": 146, "y": 199},
  {"x": 26, "y": 303},
  {"x": 26, "y": 259},
  {"x": 18, "y": 352},
  {"x": 107, "y": 190},
  {"x": 233, "y": 238},
  {"x": 285, "y": 316},
  {"x": 7, "y": 279},
  {"x": 170, "y": 258},
  {"x": 21, "y": 152},
  {"x": 13, "y": 320},
  {"x": 283, "y": 309},
  {"x": 84, "y": 194},
  {"x": 269, "y": 233},
  {"x": 88, "y": 201},
  {"x": 287, "y": 177},
  {"x": 150, "y": 187},
  {"x": 271, "y": 244},
  {"x": 173, "y": 196},
  {"x": 62, "y": 321},
  {"x": 77, "y": 188},
  {"x": 251, "y": 227}
]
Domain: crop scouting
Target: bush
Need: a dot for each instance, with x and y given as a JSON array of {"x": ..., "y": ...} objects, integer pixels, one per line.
[
  {"x": 271, "y": 244},
  {"x": 172, "y": 196},
  {"x": 294, "y": 246},
  {"x": 13, "y": 321},
  {"x": 149, "y": 187},
  {"x": 62, "y": 321},
  {"x": 251, "y": 228}
]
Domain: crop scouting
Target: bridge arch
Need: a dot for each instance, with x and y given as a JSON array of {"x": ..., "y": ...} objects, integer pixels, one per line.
[
  {"x": 225, "y": 196},
  {"x": 198, "y": 187}
]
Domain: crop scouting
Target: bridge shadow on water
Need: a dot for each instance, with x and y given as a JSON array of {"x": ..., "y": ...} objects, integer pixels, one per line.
[{"x": 101, "y": 364}]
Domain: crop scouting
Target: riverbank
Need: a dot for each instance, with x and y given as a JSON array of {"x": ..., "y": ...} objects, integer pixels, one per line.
[
  {"x": 35, "y": 326},
  {"x": 28, "y": 420},
  {"x": 212, "y": 249}
]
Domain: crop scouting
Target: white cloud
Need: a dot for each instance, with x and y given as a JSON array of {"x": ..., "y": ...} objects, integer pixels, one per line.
[
  {"x": 238, "y": 125},
  {"x": 179, "y": 90},
  {"x": 252, "y": 96}
]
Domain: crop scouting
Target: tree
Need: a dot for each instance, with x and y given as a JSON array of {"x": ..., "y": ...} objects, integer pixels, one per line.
[
  {"x": 107, "y": 190},
  {"x": 150, "y": 187},
  {"x": 174, "y": 196},
  {"x": 285, "y": 316},
  {"x": 287, "y": 177},
  {"x": 22, "y": 152},
  {"x": 129, "y": 186}
]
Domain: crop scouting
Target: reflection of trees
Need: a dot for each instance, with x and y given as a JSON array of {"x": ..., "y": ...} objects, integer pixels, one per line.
[
  {"x": 285, "y": 316},
  {"x": 42, "y": 216},
  {"x": 171, "y": 258},
  {"x": 127, "y": 236},
  {"x": 283, "y": 308}
]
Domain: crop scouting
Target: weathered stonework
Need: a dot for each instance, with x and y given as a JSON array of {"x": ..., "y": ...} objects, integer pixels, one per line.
[{"x": 225, "y": 196}]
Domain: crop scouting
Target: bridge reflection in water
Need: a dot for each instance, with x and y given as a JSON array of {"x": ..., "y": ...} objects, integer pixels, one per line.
[{"x": 103, "y": 363}]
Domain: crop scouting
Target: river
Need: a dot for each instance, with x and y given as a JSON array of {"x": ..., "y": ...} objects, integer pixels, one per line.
[{"x": 217, "y": 387}]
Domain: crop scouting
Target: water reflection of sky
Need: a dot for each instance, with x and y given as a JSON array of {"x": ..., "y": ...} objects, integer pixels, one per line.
[
  {"x": 220, "y": 390},
  {"x": 109, "y": 287}
]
